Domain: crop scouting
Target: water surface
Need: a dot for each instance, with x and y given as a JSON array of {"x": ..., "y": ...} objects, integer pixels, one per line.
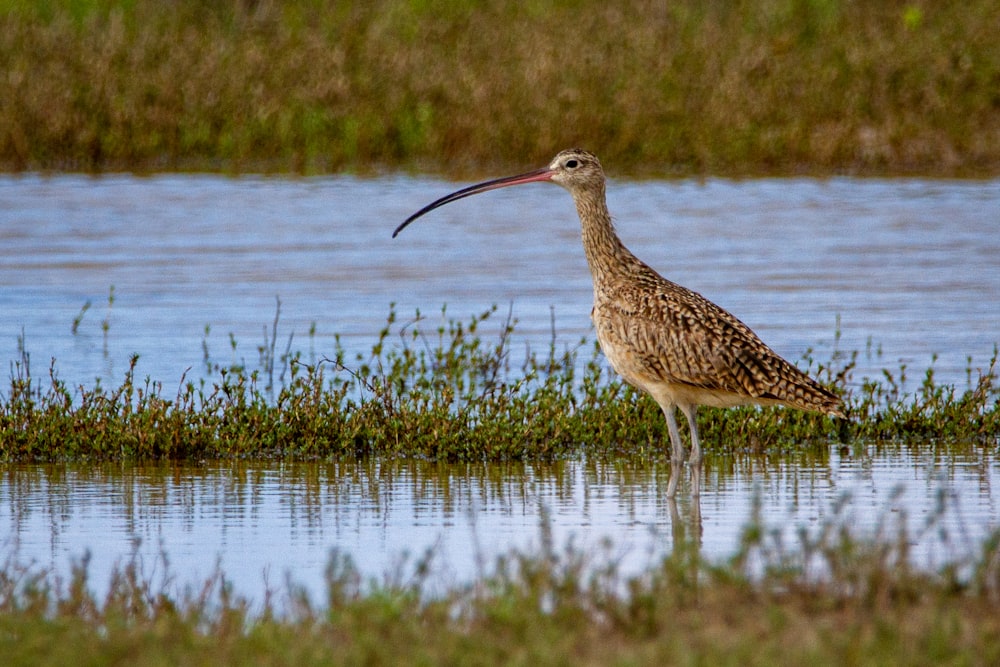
[
  {"x": 261, "y": 522},
  {"x": 909, "y": 269},
  {"x": 910, "y": 266}
]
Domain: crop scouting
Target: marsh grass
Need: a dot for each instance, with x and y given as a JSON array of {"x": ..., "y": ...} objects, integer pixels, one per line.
[
  {"x": 446, "y": 392},
  {"x": 833, "y": 597},
  {"x": 731, "y": 88}
]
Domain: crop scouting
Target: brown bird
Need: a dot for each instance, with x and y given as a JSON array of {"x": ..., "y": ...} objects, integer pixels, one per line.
[{"x": 672, "y": 343}]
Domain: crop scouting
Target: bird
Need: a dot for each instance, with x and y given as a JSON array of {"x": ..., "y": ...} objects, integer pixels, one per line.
[{"x": 670, "y": 342}]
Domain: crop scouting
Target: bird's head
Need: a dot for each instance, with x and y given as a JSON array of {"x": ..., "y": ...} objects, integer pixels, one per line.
[{"x": 575, "y": 169}]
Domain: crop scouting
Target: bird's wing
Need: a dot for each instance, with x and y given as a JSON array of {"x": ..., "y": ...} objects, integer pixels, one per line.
[{"x": 677, "y": 336}]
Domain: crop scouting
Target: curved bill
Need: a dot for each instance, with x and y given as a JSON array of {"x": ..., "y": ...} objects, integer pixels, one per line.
[{"x": 543, "y": 174}]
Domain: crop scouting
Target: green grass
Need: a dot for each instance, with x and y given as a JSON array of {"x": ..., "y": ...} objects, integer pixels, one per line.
[
  {"x": 548, "y": 606},
  {"x": 688, "y": 87},
  {"x": 447, "y": 393},
  {"x": 829, "y": 595}
]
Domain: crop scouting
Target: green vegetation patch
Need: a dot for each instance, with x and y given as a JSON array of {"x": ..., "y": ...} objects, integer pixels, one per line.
[
  {"x": 757, "y": 87},
  {"x": 447, "y": 393}
]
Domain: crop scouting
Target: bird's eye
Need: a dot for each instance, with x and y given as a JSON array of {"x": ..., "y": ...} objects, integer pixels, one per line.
[{"x": 572, "y": 164}]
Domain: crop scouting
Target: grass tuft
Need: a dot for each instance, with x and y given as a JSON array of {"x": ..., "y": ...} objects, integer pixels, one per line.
[{"x": 444, "y": 392}]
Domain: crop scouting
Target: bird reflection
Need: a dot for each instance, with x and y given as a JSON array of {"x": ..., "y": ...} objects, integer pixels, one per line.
[{"x": 685, "y": 531}]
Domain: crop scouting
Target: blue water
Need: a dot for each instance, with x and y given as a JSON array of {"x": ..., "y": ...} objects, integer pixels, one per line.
[
  {"x": 261, "y": 522},
  {"x": 907, "y": 267}
]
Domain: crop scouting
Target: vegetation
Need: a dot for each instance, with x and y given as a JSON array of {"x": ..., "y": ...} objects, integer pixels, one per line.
[
  {"x": 446, "y": 393},
  {"x": 687, "y": 87},
  {"x": 553, "y": 605},
  {"x": 753, "y": 87}
]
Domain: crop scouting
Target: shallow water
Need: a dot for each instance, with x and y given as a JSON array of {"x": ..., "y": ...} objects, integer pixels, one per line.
[
  {"x": 911, "y": 266},
  {"x": 261, "y": 522}
]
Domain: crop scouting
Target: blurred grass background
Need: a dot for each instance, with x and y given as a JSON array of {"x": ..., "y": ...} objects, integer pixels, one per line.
[{"x": 460, "y": 87}]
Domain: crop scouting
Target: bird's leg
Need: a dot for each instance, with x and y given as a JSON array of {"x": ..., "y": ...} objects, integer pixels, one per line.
[
  {"x": 677, "y": 457},
  {"x": 694, "y": 461}
]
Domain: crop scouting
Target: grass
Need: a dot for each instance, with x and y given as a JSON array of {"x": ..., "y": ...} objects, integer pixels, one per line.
[
  {"x": 827, "y": 595},
  {"x": 688, "y": 87},
  {"x": 741, "y": 88},
  {"x": 550, "y": 605},
  {"x": 447, "y": 393}
]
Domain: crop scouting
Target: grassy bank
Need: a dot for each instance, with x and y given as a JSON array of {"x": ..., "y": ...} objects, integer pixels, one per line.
[
  {"x": 550, "y": 606},
  {"x": 690, "y": 87},
  {"x": 448, "y": 393}
]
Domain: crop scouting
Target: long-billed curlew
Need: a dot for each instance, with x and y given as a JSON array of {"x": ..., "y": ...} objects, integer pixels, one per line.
[{"x": 674, "y": 344}]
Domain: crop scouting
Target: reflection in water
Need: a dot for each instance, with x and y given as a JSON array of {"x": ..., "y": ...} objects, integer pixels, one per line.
[
  {"x": 262, "y": 521},
  {"x": 686, "y": 532}
]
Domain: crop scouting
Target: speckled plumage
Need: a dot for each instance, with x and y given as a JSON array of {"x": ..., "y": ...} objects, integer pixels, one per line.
[
  {"x": 656, "y": 332},
  {"x": 667, "y": 340}
]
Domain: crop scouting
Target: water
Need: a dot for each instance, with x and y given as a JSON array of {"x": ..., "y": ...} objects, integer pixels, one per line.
[
  {"x": 261, "y": 522},
  {"x": 908, "y": 267}
]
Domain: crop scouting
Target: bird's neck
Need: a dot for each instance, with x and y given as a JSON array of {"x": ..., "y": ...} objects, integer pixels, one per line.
[{"x": 605, "y": 252}]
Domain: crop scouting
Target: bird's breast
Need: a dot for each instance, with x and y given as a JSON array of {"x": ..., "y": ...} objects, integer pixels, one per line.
[{"x": 619, "y": 347}]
